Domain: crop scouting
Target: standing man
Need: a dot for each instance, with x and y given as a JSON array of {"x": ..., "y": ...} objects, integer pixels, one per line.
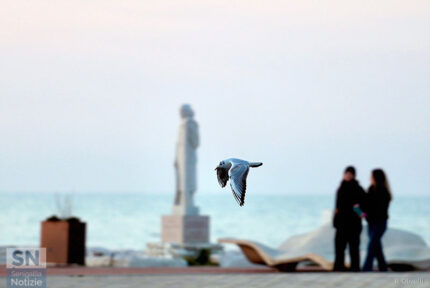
[{"x": 347, "y": 222}]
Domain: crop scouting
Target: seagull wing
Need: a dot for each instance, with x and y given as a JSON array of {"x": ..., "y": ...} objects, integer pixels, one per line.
[
  {"x": 238, "y": 173},
  {"x": 222, "y": 175}
]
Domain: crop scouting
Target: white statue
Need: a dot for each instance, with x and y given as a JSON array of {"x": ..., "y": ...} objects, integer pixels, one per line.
[{"x": 186, "y": 162}]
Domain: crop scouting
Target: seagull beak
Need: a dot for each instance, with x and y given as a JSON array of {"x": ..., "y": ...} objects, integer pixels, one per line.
[{"x": 216, "y": 168}]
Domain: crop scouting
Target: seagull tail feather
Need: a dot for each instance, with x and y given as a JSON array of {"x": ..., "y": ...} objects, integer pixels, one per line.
[{"x": 255, "y": 164}]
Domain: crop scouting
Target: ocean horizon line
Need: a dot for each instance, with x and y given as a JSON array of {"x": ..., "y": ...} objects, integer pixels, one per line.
[{"x": 171, "y": 193}]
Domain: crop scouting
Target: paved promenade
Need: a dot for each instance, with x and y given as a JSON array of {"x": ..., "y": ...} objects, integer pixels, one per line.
[
  {"x": 223, "y": 278},
  {"x": 281, "y": 280}
]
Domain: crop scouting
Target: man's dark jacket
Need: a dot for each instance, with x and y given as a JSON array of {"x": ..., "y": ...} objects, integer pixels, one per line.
[{"x": 348, "y": 194}]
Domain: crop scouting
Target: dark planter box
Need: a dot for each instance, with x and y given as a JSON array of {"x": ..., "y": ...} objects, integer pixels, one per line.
[{"x": 64, "y": 241}]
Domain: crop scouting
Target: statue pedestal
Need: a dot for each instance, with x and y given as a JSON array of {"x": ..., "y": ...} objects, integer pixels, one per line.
[{"x": 185, "y": 229}]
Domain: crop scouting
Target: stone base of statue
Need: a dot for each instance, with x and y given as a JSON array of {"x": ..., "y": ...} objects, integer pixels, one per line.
[
  {"x": 185, "y": 236},
  {"x": 185, "y": 229}
]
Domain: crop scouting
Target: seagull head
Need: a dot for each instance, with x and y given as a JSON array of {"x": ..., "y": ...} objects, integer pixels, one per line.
[{"x": 223, "y": 165}]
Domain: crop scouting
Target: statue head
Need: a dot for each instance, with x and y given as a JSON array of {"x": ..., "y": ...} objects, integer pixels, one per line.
[{"x": 186, "y": 111}]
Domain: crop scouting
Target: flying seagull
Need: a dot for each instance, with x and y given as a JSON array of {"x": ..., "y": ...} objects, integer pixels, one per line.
[{"x": 236, "y": 170}]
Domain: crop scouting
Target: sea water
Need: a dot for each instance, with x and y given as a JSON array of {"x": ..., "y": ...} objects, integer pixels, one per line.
[{"x": 129, "y": 221}]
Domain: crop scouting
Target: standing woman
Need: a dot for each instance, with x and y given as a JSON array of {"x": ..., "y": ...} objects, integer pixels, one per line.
[{"x": 376, "y": 207}]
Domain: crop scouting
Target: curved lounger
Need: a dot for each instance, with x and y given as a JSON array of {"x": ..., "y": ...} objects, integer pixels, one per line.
[{"x": 260, "y": 254}]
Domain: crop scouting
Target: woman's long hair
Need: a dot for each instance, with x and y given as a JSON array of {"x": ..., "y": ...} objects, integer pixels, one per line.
[{"x": 381, "y": 181}]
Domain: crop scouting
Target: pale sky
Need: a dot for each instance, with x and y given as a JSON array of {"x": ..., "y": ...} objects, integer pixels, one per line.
[{"x": 90, "y": 93}]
